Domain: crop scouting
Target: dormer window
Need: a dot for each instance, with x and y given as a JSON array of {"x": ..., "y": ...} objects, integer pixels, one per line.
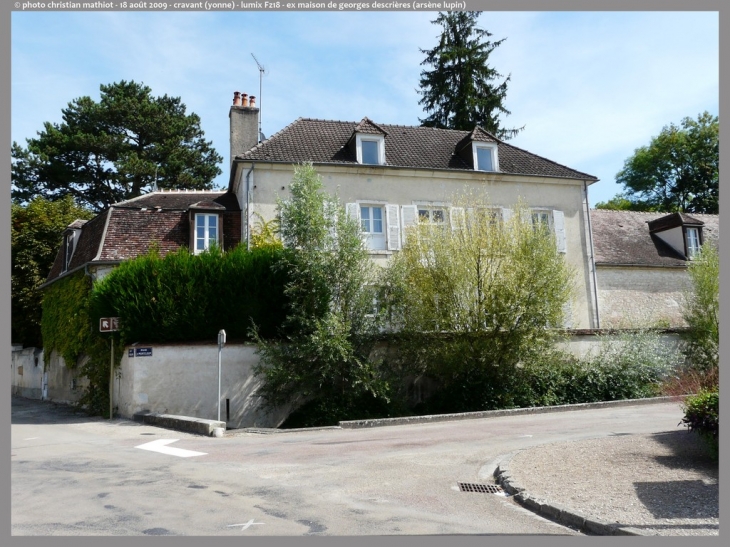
[
  {"x": 206, "y": 232},
  {"x": 693, "y": 242},
  {"x": 370, "y": 149},
  {"x": 485, "y": 156}
]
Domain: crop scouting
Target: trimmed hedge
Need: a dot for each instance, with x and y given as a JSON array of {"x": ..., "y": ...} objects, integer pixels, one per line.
[{"x": 186, "y": 297}]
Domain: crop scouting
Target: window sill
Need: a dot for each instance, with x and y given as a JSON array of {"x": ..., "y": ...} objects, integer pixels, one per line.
[{"x": 382, "y": 252}]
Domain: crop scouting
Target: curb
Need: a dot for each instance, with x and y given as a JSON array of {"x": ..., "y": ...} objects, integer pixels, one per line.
[
  {"x": 209, "y": 428},
  {"x": 408, "y": 420},
  {"x": 555, "y": 511}
]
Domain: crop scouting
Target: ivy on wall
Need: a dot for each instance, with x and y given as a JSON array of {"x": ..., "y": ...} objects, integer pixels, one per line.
[{"x": 71, "y": 329}]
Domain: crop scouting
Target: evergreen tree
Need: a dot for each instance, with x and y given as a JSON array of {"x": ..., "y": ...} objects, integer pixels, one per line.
[
  {"x": 461, "y": 91},
  {"x": 115, "y": 149}
]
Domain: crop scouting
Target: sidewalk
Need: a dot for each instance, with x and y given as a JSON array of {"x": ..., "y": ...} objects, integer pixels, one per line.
[{"x": 661, "y": 484}]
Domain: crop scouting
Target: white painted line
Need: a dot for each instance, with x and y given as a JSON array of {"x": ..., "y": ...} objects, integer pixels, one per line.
[
  {"x": 159, "y": 446},
  {"x": 31, "y": 438},
  {"x": 245, "y": 525}
]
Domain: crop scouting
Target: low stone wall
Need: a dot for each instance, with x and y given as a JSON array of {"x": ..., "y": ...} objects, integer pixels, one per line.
[
  {"x": 27, "y": 372},
  {"x": 182, "y": 379}
]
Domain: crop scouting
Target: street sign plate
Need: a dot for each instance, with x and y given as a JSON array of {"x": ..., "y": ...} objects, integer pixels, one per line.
[
  {"x": 130, "y": 352},
  {"x": 143, "y": 352},
  {"x": 108, "y": 324}
]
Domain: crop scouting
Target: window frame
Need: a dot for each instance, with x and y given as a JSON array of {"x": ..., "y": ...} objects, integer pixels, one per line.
[
  {"x": 494, "y": 150},
  {"x": 692, "y": 250},
  {"x": 368, "y": 137},
  {"x": 370, "y": 236},
  {"x": 69, "y": 243},
  {"x": 206, "y": 226}
]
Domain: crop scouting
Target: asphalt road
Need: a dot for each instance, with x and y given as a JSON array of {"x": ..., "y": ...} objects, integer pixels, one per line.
[{"x": 74, "y": 475}]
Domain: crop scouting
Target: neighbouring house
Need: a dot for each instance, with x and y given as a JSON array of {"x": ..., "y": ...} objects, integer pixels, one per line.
[
  {"x": 164, "y": 220},
  {"x": 392, "y": 176},
  {"x": 641, "y": 264}
]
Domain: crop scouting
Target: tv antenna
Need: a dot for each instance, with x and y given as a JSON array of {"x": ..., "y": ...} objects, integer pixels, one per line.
[{"x": 262, "y": 71}]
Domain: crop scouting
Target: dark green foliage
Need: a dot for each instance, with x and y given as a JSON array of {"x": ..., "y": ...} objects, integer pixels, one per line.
[
  {"x": 35, "y": 233},
  {"x": 678, "y": 170},
  {"x": 109, "y": 151},
  {"x": 460, "y": 91},
  {"x": 621, "y": 202},
  {"x": 702, "y": 414},
  {"x": 71, "y": 329},
  {"x": 185, "y": 297}
]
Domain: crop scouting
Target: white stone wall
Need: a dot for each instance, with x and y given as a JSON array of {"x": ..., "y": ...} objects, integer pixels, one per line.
[
  {"x": 410, "y": 186},
  {"x": 27, "y": 372},
  {"x": 637, "y": 296},
  {"x": 182, "y": 379},
  {"x": 65, "y": 385}
]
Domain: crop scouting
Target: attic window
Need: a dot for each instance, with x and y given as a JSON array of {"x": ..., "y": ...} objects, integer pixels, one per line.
[
  {"x": 370, "y": 149},
  {"x": 485, "y": 156},
  {"x": 206, "y": 232},
  {"x": 693, "y": 242}
]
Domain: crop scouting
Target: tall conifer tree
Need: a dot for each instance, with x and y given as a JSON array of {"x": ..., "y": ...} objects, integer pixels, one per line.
[{"x": 462, "y": 90}]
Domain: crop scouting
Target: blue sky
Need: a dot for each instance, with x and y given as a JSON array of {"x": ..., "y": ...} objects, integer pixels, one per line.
[{"x": 590, "y": 87}]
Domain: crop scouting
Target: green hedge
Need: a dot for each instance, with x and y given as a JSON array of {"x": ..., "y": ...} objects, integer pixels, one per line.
[{"x": 185, "y": 297}]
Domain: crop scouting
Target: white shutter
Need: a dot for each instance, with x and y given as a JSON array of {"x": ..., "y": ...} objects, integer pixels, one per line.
[
  {"x": 393, "y": 222},
  {"x": 353, "y": 211},
  {"x": 559, "y": 227},
  {"x": 506, "y": 214},
  {"x": 409, "y": 217},
  {"x": 457, "y": 217}
]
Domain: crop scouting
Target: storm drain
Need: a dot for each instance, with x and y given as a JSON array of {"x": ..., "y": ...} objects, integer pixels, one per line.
[{"x": 480, "y": 488}]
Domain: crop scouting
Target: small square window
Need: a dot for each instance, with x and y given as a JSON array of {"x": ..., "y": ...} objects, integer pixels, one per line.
[
  {"x": 431, "y": 215},
  {"x": 485, "y": 157},
  {"x": 541, "y": 218},
  {"x": 370, "y": 149}
]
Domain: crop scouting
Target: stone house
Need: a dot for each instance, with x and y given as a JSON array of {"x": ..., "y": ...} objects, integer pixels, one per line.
[{"x": 641, "y": 264}]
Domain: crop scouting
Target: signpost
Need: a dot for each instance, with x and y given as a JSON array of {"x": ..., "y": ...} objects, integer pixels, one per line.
[
  {"x": 221, "y": 341},
  {"x": 110, "y": 324}
]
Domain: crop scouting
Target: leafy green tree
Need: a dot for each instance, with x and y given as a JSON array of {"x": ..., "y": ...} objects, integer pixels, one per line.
[
  {"x": 702, "y": 310},
  {"x": 484, "y": 293},
  {"x": 324, "y": 360},
  {"x": 678, "y": 170},
  {"x": 620, "y": 202},
  {"x": 35, "y": 233},
  {"x": 461, "y": 90},
  {"x": 115, "y": 149}
]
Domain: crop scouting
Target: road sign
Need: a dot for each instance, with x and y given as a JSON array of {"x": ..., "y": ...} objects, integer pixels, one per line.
[{"x": 108, "y": 324}]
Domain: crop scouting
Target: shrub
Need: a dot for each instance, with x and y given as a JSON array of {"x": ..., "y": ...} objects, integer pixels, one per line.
[
  {"x": 701, "y": 414},
  {"x": 702, "y": 310}
]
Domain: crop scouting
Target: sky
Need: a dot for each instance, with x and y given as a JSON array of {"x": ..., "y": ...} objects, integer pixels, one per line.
[{"x": 589, "y": 87}]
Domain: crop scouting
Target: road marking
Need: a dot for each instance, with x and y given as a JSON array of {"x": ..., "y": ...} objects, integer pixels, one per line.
[
  {"x": 245, "y": 525},
  {"x": 31, "y": 438},
  {"x": 159, "y": 446}
]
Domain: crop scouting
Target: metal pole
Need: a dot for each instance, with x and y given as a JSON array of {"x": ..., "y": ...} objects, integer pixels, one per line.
[
  {"x": 111, "y": 380},
  {"x": 219, "y": 377}
]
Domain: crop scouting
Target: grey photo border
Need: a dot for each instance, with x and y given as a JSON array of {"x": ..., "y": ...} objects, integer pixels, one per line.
[{"x": 6, "y": 9}]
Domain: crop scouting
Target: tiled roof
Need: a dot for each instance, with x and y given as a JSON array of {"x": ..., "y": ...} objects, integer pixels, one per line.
[
  {"x": 159, "y": 217},
  {"x": 622, "y": 237},
  {"x": 323, "y": 141}
]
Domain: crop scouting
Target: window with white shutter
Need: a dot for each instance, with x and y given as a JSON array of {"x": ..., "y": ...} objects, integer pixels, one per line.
[
  {"x": 393, "y": 221},
  {"x": 559, "y": 228},
  {"x": 409, "y": 217}
]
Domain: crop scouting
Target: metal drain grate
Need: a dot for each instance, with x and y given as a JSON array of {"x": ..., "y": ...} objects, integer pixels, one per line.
[{"x": 480, "y": 488}]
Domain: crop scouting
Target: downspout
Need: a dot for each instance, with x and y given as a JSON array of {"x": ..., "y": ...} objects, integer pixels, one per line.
[
  {"x": 249, "y": 190},
  {"x": 593, "y": 260}
]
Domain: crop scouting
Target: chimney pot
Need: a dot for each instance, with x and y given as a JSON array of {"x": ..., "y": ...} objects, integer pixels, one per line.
[
  {"x": 253, "y": 101},
  {"x": 236, "y": 98},
  {"x": 244, "y": 100}
]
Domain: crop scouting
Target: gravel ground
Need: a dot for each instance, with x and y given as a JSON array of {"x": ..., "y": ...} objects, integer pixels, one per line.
[{"x": 662, "y": 484}]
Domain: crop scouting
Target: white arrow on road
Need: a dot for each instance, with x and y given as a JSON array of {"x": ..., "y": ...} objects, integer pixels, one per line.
[
  {"x": 160, "y": 446},
  {"x": 245, "y": 525}
]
